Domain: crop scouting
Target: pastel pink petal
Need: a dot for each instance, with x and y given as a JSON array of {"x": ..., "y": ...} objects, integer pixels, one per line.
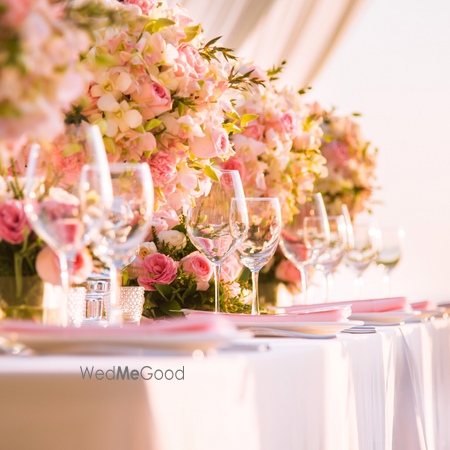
[{"x": 108, "y": 103}]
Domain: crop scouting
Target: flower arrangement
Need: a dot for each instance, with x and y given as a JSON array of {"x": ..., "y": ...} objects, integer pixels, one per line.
[
  {"x": 40, "y": 71},
  {"x": 350, "y": 161},
  {"x": 278, "y": 153}
]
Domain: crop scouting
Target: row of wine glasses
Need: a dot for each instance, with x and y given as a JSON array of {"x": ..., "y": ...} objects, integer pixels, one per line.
[{"x": 105, "y": 205}]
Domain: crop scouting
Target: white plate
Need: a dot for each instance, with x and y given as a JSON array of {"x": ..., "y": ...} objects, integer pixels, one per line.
[
  {"x": 424, "y": 314},
  {"x": 85, "y": 343},
  {"x": 303, "y": 327},
  {"x": 383, "y": 317}
]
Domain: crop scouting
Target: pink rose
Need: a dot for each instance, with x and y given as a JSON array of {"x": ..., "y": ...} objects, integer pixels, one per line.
[
  {"x": 67, "y": 166},
  {"x": 336, "y": 152},
  {"x": 169, "y": 216},
  {"x": 200, "y": 266},
  {"x": 286, "y": 271},
  {"x": 289, "y": 120},
  {"x": 189, "y": 58},
  {"x": 231, "y": 269},
  {"x": 232, "y": 290},
  {"x": 235, "y": 163},
  {"x": 48, "y": 268},
  {"x": 214, "y": 144},
  {"x": 155, "y": 96},
  {"x": 159, "y": 224},
  {"x": 254, "y": 130},
  {"x": 163, "y": 168},
  {"x": 145, "y": 5},
  {"x": 60, "y": 204},
  {"x": 67, "y": 232},
  {"x": 160, "y": 269},
  {"x": 12, "y": 221},
  {"x": 216, "y": 247}
]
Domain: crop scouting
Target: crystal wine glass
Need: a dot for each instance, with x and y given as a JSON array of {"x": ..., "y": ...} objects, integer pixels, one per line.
[
  {"x": 392, "y": 243},
  {"x": 208, "y": 222},
  {"x": 53, "y": 204},
  {"x": 332, "y": 257},
  {"x": 127, "y": 223},
  {"x": 306, "y": 235},
  {"x": 264, "y": 229},
  {"x": 364, "y": 252}
]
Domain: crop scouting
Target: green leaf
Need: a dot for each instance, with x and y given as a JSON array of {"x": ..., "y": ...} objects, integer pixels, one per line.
[
  {"x": 234, "y": 115},
  {"x": 211, "y": 173},
  {"x": 357, "y": 114},
  {"x": 168, "y": 308},
  {"x": 159, "y": 192},
  {"x": 71, "y": 149},
  {"x": 164, "y": 289},
  {"x": 148, "y": 153},
  {"x": 162, "y": 23},
  {"x": 245, "y": 275},
  {"x": 327, "y": 138},
  {"x": 191, "y": 33},
  {"x": 179, "y": 228},
  {"x": 153, "y": 123},
  {"x": 140, "y": 129},
  {"x": 246, "y": 118},
  {"x": 180, "y": 108},
  {"x": 110, "y": 145},
  {"x": 303, "y": 91},
  {"x": 192, "y": 289},
  {"x": 232, "y": 128}
]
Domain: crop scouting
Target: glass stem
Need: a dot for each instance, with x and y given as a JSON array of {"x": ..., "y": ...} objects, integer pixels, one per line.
[
  {"x": 359, "y": 287},
  {"x": 255, "y": 302},
  {"x": 66, "y": 267},
  {"x": 329, "y": 287},
  {"x": 217, "y": 288},
  {"x": 304, "y": 298},
  {"x": 115, "y": 312},
  {"x": 386, "y": 285}
]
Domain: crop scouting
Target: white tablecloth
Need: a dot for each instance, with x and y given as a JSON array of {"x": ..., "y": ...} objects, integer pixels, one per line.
[{"x": 389, "y": 390}]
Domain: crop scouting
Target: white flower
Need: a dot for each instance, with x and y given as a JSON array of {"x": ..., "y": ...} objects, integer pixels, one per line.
[
  {"x": 119, "y": 116},
  {"x": 109, "y": 83},
  {"x": 174, "y": 238},
  {"x": 147, "y": 248}
]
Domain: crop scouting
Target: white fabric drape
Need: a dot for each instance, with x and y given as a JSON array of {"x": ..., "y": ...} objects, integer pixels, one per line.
[{"x": 303, "y": 32}]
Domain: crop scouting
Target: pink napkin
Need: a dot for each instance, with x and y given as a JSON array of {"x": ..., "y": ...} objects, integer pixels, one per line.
[
  {"x": 198, "y": 324},
  {"x": 426, "y": 305},
  {"x": 361, "y": 306},
  {"x": 329, "y": 313}
]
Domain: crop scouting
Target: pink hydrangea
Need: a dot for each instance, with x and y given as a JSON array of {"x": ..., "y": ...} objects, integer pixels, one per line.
[
  {"x": 13, "y": 221},
  {"x": 145, "y": 5},
  {"x": 163, "y": 168},
  {"x": 158, "y": 268}
]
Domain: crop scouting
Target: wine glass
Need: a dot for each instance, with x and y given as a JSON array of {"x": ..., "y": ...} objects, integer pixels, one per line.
[
  {"x": 392, "y": 243},
  {"x": 333, "y": 255},
  {"x": 208, "y": 222},
  {"x": 349, "y": 226},
  {"x": 306, "y": 235},
  {"x": 261, "y": 242},
  {"x": 364, "y": 252},
  {"x": 52, "y": 195},
  {"x": 127, "y": 224}
]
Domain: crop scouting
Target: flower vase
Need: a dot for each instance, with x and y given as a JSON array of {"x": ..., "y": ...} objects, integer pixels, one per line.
[{"x": 22, "y": 299}]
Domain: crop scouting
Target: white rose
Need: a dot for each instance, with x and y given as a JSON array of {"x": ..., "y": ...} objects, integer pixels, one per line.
[
  {"x": 147, "y": 248},
  {"x": 173, "y": 238}
]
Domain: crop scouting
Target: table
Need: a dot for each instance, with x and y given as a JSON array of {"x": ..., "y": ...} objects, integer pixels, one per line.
[{"x": 389, "y": 390}]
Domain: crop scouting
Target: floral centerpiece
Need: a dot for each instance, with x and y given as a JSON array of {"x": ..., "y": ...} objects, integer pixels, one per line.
[
  {"x": 158, "y": 95},
  {"x": 40, "y": 75},
  {"x": 278, "y": 155},
  {"x": 351, "y": 163}
]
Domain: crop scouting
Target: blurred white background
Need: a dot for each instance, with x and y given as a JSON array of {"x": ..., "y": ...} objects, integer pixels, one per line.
[{"x": 393, "y": 66}]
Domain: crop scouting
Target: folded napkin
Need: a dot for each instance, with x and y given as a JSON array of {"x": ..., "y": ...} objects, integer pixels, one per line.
[
  {"x": 312, "y": 314},
  {"x": 198, "y": 324},
  {"x": 426, "y": 305},
  {"x": 360, "y": 306}
]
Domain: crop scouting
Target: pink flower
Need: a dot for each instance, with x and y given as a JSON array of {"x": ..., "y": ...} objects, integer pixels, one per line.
[
  {"x": 169, "y": 216},
  {"x": 200, "y": 266},
  {"x": 66, "y": 231},
  {"x": 159, "y": 224},
  {"x": 192, "y": 63},
  {"x": 235, "y": 163},
  {"x": 214, "y": 144},
  {"x": 145, "y": 5},
  {"x": 60, "y": 204},
  {"x": 158, "y": 269},
  {"x": 155, "y": 96},
  {"x": 254, "y": 130},
  {"x": 336, "y": 152},
  {"x": 12, "y": 221},
  {"x": 163, "y": 168},
  {"x": 286, "y": 271},
  {"x": 231, "y": 269},
  {"x": 289, "y": 121},
  {"x": 48, "y": 268},
  {"x": 232, "y": 290}
]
